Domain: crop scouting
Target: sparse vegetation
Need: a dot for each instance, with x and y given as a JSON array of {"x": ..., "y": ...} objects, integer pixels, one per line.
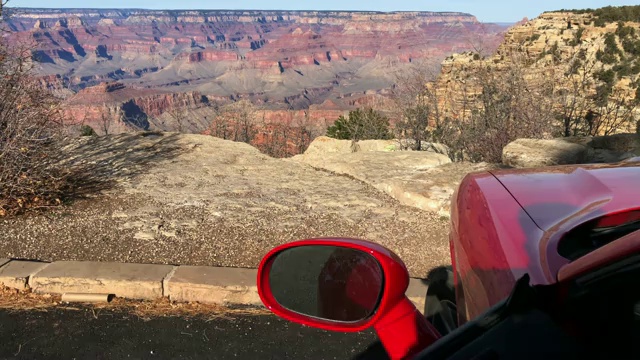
[
  {"x": 482, "y": 107},
  {"x": 414, "y": 105},
  {"x": 241, "y": 121},
  {"x": 361, "y": 124},
  {"x": 35, "y": 172},
  {"x": 624, "y": 31},
  {"x": 577, "y": 38},
  {"x": 31, "y": 175},
  {"x": 610, "y": 14}
]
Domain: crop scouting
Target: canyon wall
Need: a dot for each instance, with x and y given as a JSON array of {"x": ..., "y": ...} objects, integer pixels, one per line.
[
  {"x": 278, "y": 60},
  {"x": 582, "y": 64}
]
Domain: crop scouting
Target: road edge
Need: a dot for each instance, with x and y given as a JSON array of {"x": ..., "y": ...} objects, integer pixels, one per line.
[{"x": 181, "y": 283}]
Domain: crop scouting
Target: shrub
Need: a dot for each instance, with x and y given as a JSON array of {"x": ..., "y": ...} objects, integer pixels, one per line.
[
  {"x": 623, "y": 31},
  {"x": 32, "y": 171},
  {"x": 29, "y": 127},
  {"x": 86, "y": 130},
  {"x": 361, "y": 125},
  {"x": 577, "y": 39}
]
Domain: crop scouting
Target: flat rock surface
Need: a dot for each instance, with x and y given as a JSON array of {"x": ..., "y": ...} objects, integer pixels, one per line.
[
  {"x": 199, "y": 200},
  {"x": 420, "y": 179}
]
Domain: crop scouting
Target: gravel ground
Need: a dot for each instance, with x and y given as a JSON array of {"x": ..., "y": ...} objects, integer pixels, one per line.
[
  {"x": 215, "y": 202},
  {"x": 89, "y": 231}
]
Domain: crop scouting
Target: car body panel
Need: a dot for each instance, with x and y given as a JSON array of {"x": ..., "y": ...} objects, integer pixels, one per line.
[
  {"x": 509, "y": 222},
  {"x": 489, "y": 253}
]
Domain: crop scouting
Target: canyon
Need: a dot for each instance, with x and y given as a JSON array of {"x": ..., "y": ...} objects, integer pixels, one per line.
[{"x": 128, "y": 69}]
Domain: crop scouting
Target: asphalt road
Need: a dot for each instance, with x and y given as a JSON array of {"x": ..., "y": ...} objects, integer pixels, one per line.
[{"x": 113, "y": 334}]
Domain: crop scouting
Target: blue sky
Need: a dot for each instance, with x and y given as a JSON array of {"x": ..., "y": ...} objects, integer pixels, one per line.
[{"x": 485, "y": 10}]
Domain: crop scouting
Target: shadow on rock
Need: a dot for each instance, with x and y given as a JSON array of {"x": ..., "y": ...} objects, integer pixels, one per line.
[{"x": 96, "y": 164}]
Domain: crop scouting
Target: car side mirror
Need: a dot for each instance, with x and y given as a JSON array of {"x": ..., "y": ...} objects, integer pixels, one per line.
[
  {"x": 345, "y": 285},
  {"x": 327, "y": 282}
]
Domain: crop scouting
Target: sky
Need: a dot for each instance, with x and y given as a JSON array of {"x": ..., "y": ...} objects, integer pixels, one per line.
[{"x": 484, "y": 10}]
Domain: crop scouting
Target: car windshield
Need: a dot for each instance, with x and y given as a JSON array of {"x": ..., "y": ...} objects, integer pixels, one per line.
[{"x": 597, "y": 233}]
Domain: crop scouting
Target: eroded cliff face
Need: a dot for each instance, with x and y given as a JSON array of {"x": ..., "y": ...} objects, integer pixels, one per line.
[
  {"x": 589, "y": 67},
  {"x": 280, "y": 59}
]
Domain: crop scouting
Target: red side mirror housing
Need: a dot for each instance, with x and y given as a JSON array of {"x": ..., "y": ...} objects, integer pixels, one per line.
[{"x": 345, "y": 285}]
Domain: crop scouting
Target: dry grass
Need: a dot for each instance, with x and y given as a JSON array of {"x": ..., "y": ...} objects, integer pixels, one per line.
[{"x": 15, "y": 300}]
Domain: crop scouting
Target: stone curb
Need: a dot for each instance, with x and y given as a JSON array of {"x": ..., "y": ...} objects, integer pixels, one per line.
[{"x": 204, "y": 284}]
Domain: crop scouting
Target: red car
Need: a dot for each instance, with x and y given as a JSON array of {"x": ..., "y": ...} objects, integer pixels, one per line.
[{"x": 545, "y": 263}]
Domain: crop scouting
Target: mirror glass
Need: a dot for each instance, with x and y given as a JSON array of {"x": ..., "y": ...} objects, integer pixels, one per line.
[{"x": 327, "y": 282}]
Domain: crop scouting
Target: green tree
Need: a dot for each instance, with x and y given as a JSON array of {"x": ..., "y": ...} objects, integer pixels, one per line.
[{"x": 361, "y": 124}]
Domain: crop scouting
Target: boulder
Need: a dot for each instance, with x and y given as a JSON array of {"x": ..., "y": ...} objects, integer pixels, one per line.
[
  {"x": 618, "y": 143},
  {"x": 436, "y": 148},
  {"x": 597, "y": 156},
  {"x": 524, "y": 153},
  {"x": 571, "y": 150},
  {"x": 613, "y": 148}
]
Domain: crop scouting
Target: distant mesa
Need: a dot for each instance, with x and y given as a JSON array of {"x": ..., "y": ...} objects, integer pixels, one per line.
[{"x": 104, "y": 88}]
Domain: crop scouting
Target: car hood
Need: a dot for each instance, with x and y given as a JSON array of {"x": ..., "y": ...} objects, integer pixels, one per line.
[{"x": 573, "y": 194}]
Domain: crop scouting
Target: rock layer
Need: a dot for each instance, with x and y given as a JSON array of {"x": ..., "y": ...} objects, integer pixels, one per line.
[{"x": 282, "y": 59}]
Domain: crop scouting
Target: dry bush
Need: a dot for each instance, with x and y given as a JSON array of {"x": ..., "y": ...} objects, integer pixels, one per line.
[
  {"x": 513, "y": 105},
  {"x": 240, "y": 121},
  {"x": 416, "y": 107},
  {"x": 236, "y": 121},
  {"x": 30, "y": 125},
  {"x": 33, "y": 170},
  {"x": 478, "y": 112}
]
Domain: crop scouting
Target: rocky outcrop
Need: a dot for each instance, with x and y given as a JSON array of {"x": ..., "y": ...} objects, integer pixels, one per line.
[
  {"x": 324, "y": 146},
  {"x": 530, "y": 153},
  {"x": 210, "y": 56},
  {"x": 107, "y": 107},
  {"x": 535, "y": 153},
  {"x": 587, "y": 60},
  {"x": 421, "y": 179}
]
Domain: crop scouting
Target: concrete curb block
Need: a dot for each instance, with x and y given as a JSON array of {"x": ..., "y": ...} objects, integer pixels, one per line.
[
  {"x": 16, "y": 274},
  {"x": 205, "y": 284},
  {"x": 208, "y": 284},
  {"x": 132, "y": 281}
]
